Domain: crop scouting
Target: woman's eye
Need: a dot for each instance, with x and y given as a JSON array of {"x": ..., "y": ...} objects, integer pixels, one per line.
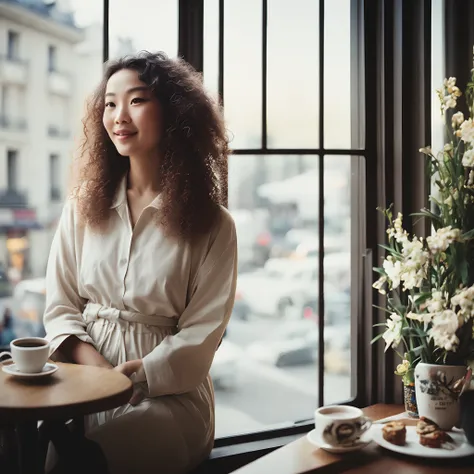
[
  {"x": 109, "y": 104},
  {"x": 137, "y": 100}
]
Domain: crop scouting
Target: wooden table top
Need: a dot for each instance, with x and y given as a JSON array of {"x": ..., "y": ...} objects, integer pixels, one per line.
[
  {"x": 73, "y": 390},
  {"x": 301, "y": 457}
]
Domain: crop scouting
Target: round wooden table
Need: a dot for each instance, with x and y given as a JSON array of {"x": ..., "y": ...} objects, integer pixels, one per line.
[{"x": 72, "y": 391}]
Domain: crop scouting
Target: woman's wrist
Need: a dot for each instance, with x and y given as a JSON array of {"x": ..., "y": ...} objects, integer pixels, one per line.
[{"x": 83, "y": 353}]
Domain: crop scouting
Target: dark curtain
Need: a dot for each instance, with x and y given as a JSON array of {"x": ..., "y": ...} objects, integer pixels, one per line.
[{"x": 398, "y": 123}]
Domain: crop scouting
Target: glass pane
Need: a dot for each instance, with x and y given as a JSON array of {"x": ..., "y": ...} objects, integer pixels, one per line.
[
  {"x": 40, "y": 71},
  {"x": 337, "y": 74},
  {"x": 211, "y": 46},
  {"x": 438, "y": 74},
  {"x": 243, "y": 72},
  {"x": 270, "y": 353},
  {"x": 136, "y": 25},
  {"x": 293, "y": 74},
  {"x": 337, "y": 281}
]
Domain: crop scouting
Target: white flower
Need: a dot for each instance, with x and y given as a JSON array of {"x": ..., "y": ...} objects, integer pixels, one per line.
[
  {"x": 464, "y": 299},
  {"x": 426, "y": 150},
  {"x": 392, "y": 268},
  {"x": 457, "y": 119},
  {"x": 441, "y": 240},
  {"x": 379, "y": 284},
  {"x": 470, "y": 181},
  {"x": 467, "y": 131},
  {"x": 449, "y": 102},
  {"x": 397, "y": 232},
  {"x": 423, "y": 317},
  {"x": 448, "y": 147},
  {"x": 449, "y": 201},
  {"x": 443, "y": 330},
  {"x": 436, "y": 303},
  {"x": 413, "y": 267},
  {"x": 393, "y": 334},
  {"x": 449, "y": 83},
  {"x": 468, "y": 159}
]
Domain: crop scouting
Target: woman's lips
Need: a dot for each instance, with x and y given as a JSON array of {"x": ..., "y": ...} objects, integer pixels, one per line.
[{"x": 124, "y": 136}]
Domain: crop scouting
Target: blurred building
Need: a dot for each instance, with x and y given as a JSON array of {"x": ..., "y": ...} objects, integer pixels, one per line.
[{"x": 40, "y": 78}]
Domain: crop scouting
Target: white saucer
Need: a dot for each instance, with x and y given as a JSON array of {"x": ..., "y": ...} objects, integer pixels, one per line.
[
  {"x": 460, "y": 447},
  {"x": 48, "y": 369},
  {"x": 314, "y": 440}
]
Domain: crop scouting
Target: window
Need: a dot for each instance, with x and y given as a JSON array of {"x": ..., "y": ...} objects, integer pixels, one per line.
[
  {"x": 54, "y": 176},
  {"x": 157, "y": 30},
  {"x": 291, "y": 175},
  {"x": 12, "y": 170},
  {"x": 13, "y": 45},
  {"x": 52, "y": 59}
]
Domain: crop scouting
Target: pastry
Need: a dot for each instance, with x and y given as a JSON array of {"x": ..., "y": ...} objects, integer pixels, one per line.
[
  {"x": 395, "y": 432},
  {"x": 430, "y": 434}
]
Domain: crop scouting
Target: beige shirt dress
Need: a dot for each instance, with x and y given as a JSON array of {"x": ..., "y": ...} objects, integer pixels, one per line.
[{"x": 133, "y": 293}]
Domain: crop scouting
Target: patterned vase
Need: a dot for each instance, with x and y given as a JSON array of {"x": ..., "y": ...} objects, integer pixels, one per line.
[
  {"x": 409, "y": 395},
  {"x": 435, "y": 395}
]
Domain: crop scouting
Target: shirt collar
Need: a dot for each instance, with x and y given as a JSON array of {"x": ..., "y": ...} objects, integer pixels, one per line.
[{"x": 121, "y": 196}]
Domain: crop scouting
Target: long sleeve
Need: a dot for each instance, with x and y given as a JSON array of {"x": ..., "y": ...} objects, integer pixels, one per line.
[
  {"x": 63, "y": 312},
  {"x": 182, "y": 361}
]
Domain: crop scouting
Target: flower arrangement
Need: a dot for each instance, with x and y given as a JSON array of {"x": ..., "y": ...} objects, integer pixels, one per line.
[{"x": 429, "y": 282}]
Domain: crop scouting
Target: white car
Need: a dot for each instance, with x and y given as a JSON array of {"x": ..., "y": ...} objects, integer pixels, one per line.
[
  {"x": 284, "y": 288},
  {"x": 293, "y": 343}
]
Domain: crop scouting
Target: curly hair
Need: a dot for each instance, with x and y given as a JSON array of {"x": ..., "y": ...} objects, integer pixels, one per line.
[{"x": 194, "y": 144}]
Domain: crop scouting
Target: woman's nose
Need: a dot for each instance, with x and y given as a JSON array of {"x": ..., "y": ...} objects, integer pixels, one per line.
[{"x": 122, "y": 116}]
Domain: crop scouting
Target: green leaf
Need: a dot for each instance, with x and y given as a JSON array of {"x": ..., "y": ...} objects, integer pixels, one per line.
[
  {"x": 391, "y": 250},
  {"x": 376, "y": 338},
  {"x": 468, "y": 235}
]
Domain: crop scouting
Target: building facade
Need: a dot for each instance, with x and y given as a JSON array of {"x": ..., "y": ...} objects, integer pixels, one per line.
[{"x": 39, "y": 107}]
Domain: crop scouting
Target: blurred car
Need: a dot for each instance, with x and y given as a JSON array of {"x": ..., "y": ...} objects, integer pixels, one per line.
[
  {"x": 285, "y": 288},
  {"x": 225, "y": 367},
  {"x": 292, "y": 343},
  {"x": 27, "y": 305},
  {"x": 241, "y": 308},
  {"x": 304, "y": 243}
]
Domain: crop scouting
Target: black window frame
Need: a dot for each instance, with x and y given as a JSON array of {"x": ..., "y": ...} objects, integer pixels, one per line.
[
  {"x": 54, "y": 177},
  {"x": 12, "y": 169},
  {"x": 13, "y": 45},
  {"x": 52, "y": 58}
]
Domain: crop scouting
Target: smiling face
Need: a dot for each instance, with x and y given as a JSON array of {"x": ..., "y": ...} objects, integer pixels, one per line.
[{"x": 132, "y": 115}]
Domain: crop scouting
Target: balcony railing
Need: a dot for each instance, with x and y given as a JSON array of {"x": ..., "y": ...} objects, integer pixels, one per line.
[
  {"x": 12, "y": 199},
  {"x": 13, "y": 70},
  {"x": 59, "y": 83},
  {"x": 12, "y": 123},
  {"x": 50, "y": 11},
  {"x": 56, "y": 132}
]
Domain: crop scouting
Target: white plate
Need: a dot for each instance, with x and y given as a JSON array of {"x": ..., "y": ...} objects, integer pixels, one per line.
[
  {"x": 314, "y": 440},
  {"x": 48, "y": 369},
  {"x": 414, "y": 448}
]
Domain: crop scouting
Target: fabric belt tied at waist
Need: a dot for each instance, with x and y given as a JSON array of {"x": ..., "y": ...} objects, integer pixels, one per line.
[{"x": 94, "y": 311}]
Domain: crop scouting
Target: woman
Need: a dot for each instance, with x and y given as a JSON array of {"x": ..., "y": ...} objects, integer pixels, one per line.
[{"x": 142, "y": 271}]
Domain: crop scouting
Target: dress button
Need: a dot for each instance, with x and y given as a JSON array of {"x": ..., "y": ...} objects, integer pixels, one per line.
[{"x": 123, "y": 262}]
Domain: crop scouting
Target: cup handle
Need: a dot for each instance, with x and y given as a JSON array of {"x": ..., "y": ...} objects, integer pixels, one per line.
[
  {"x": 366, "y": 423},
  {"x": 3, "y": 354}
]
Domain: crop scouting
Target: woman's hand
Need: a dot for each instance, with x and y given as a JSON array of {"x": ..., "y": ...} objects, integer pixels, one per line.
[{"x": 128, "y": 369}]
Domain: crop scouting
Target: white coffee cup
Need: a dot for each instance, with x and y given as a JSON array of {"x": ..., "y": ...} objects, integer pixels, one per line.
[
  {"x": 29, "y": 354},
  {"x": 340, "y": 425}
]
